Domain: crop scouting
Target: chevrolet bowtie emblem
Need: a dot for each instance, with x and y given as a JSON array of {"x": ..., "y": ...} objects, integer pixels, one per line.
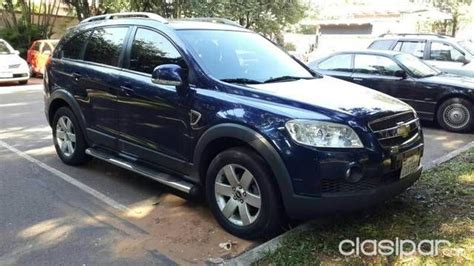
[{"x": 403, "y": 129}]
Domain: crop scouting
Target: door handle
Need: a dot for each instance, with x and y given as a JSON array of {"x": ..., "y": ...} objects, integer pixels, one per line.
[
  {"x": 76, "y": 76},
  {"x": 357, "y": 79},
  {"x": 126, "y": 90}
]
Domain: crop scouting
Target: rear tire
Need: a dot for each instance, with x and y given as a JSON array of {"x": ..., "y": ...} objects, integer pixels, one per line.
[
  {"x": 456, "y": 115},
  {"x": 248, "y": 206},
  {"x": 68, "y": 138}
]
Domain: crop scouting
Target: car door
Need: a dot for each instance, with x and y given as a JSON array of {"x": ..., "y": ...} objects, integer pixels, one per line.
[
  {"x": 153, "y": 118},
  {"x": 98, "y": 81},
  {"x": 338, "y": 66},
  {"x": 445, "y": 57},
  {"x": 379, "y": 73}
]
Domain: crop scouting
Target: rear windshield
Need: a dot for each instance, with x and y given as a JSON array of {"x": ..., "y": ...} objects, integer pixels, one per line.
[{"x": 381, "y": 44}]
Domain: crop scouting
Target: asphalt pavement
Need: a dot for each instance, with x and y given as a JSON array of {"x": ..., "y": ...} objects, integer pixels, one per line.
[{"x": 51, "y": 213}]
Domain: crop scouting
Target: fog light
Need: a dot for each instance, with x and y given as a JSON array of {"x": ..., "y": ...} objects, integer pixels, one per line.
[{"x": 354, "y": 174}]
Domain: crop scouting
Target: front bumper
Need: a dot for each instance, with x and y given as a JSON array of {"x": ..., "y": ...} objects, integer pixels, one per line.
[
  {"x": 305, "y": 207},
  {"x": 16, "y": 76}
]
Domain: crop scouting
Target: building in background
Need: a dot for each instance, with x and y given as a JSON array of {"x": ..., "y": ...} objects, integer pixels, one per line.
[{"x": 343, "y": 25}]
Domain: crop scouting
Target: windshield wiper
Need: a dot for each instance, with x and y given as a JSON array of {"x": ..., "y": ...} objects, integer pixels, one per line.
[
  {"x": 285, "y": 78},
  {"x": 242, "y": 81}
]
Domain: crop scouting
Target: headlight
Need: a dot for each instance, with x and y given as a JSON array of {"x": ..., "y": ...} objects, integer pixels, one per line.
[{"x": 323, "y": 134}]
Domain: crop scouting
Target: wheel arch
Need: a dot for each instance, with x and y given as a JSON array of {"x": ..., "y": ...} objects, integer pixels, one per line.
[
  {"x": 224, "y": 136},
  {"x": 62, "y": 98}
]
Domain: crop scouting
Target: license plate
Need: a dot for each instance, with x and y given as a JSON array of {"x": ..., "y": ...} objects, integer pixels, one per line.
[
  {"x": 410, "y": 165},
  {"x": 6, "y": 75}
]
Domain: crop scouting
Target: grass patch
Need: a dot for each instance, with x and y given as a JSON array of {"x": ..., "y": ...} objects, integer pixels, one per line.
[{"x": 438, "y": 206}]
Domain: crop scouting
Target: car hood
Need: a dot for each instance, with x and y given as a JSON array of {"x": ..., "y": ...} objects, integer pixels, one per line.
[
  {"x": 10, "y": 59},
  {"x": 451, "y": 80},
  {"x": 335, "y": 94}
]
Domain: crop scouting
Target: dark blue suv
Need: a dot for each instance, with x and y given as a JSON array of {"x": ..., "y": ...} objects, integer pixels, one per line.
[{"x": 212, "y": 108}]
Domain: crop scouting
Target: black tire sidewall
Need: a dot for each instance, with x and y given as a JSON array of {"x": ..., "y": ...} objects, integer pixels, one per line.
[
  {"x": 445, "y": 104},
  {"x": 270, "y": 213},
  {"x": 79, "y": 156}
]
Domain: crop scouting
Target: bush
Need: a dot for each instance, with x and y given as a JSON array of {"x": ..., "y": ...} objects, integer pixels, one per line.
[
  {"x": 21, "y": 37},
  {"x": 290, "y": 46}
]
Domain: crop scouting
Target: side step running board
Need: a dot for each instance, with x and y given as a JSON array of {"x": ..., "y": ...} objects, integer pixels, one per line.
[{"x": 163, "y": 178}]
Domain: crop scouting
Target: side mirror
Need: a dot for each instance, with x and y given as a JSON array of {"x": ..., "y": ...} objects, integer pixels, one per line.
[
  {"x": 401, "y": 74},
  {"x": 464, "y": 60},
  {"x": 169, "y": 74}
]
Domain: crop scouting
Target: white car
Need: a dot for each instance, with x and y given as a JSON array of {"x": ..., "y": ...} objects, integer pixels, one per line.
[{"x": 12, "y": 66}]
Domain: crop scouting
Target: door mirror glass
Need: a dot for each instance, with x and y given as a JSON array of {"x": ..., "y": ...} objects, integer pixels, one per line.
[{"x": 168, "y": 74}]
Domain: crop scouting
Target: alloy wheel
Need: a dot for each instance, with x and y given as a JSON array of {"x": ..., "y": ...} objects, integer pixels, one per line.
[
  {"x": 237, "y": 194},
  {"x": 65, "y": 136}
]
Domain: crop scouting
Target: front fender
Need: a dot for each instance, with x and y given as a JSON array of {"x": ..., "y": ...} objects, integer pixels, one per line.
[{"x": 258, "y": 143}]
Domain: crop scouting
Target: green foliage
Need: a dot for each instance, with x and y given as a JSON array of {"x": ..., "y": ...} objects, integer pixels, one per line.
[
  {"x": 289, "y": 46},
  {"x": 268, "y": 17},
  {"x": 23, "y": 25},
  {"x": 20, "y": 37},
  {"x": 459, "y": 10}
]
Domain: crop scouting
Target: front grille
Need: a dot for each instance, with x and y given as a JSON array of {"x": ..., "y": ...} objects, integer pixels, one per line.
[
  {"x": 396, "y": 130},
  {"x": 20, "y": 75}
]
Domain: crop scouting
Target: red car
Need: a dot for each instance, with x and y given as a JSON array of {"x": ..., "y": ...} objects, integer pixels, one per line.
[{"x": 38, "y": 55}]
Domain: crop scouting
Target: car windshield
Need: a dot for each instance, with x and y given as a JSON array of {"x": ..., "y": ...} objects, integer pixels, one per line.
[
  {"x": 4, "y": 49},
  {"x": 416, "y": 66},
  {"x": 469, "y": 46},
  {"x": 242, "y": 57}
]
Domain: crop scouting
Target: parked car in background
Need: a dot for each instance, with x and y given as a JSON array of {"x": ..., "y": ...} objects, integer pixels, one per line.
[
  {"x": 220, "y": 110},
  {"x": 12, "y": 66},
  {"x": 445, "y": 98},
  {"x": 445, "y": 53},
  {"x": 39, "y": 54}
]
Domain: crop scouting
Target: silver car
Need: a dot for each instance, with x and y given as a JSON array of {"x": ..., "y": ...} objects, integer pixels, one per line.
[{"x": 443, "y": 52}]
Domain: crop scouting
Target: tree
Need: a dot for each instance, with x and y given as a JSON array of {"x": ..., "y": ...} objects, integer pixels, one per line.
[
  {"x": 25, "y": 21},
  {"x": 268, "y": 17},
  {"x": 458, "y": 10}
]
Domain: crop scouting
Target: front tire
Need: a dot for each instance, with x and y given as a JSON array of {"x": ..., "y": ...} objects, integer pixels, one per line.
[
  {"x": 23, "y": 82},
  {"x": 242, "y": 196},
  {"x": 456, "y": 115},
  {"x": 68, "y": 138}
]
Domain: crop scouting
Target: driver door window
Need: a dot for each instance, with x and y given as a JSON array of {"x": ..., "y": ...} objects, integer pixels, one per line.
[
  {"x": 151, "y": 49},
  {"x": 375, "y": 65},
  {"x": 445, "y": 52}
]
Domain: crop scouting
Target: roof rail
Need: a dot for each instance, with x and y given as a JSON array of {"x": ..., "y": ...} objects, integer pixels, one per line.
[
  {"x": 126, "y": 15},
  {"x": 212, "y": 20},
  {"x": 414, "y": 34}
]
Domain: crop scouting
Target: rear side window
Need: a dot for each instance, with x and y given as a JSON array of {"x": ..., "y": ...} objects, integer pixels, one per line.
[
  {"x": 445, "y": 52},
  {"x": 47, "y": 48},
  {"x": 416, "y": 48},
  {"x": 375, "y": 65},
  {"x": 151, "y": 49},
  {"x": 382, "y": 45},
  {"x": 74, "y": 47},
  {"x": 105, "y": 45},
  {"x": 340, "y": 62}
]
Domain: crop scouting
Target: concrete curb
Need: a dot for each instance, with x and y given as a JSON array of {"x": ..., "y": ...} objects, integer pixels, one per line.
[
  {"x": 255, "y": 254},
  {"x": 449, "y": 156}
]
